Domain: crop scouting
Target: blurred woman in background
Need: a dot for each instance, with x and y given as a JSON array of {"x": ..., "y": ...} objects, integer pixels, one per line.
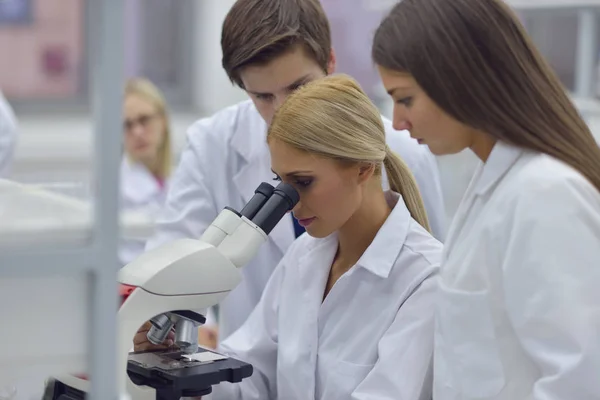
[
  {"x": 146, "y": 164},
  {"x": 518, "y": 311}
]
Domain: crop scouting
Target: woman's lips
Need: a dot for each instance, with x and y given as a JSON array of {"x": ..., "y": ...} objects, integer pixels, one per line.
[{"x": 306, "y": 221}]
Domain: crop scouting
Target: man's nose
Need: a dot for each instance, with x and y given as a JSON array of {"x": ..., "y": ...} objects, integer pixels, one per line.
[{"x": 279, "y": 100}]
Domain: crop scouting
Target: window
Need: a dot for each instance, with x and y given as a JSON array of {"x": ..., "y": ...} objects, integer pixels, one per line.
[
  {"x": 41, "y": 42},
  {"x": 46, "y": 49}
]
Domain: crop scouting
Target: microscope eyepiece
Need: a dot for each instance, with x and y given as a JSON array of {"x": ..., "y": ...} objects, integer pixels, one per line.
[
  {"x": 261, "y": 195},
  {"x": 283, "y": 199},
  {"x": 289, "y": 193}
]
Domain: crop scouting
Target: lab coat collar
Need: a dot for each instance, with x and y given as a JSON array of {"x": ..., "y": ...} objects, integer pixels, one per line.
[
  {"x": 250, "y": 132},
  {"x": 249, "y": 140},
  {"x": 137, "y": 183},
  {"x": 501, "y": 159},
  {"x": 381, "y": 255}
]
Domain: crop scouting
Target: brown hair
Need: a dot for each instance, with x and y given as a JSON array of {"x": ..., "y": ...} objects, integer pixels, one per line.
[
  {"x": 332, "y": 117},
  {"x": 258, "y": 31},
  {"x": 474, "y": 59},
  {"x": 149, "y": 92}
]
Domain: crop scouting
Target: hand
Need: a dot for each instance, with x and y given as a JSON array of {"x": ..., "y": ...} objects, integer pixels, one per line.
[
  {"x": 208, "y": 336},
  {"x": 141, "y": 342}
]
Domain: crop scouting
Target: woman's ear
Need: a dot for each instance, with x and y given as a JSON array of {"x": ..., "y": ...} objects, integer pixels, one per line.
[{"x": 365, "y": 172}]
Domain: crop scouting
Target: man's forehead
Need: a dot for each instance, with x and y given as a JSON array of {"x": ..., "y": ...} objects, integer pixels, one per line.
[
  {"x": 280, "y": 73},
  {"x": 270, "y": 84}
]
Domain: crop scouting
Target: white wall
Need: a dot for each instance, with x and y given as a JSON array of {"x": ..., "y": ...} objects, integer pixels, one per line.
[{"x": 213, "y": 90}]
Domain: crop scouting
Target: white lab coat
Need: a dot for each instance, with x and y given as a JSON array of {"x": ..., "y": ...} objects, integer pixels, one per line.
[
  {"x": 225, "y": 160},
  {"x": 518, "y": 316},
  {"x": 372, "y": 336},
  {"x": 140, "y": 191},
  {"x": 8, "y": 135}
]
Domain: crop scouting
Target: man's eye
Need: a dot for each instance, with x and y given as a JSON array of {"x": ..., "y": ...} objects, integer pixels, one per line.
[
  {"x": 277, "y": 178},
  {"x": 264, "y": 97},
  {"x": 298, "y": 86}
]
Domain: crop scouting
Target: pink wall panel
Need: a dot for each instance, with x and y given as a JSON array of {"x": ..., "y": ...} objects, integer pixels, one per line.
[{"x": 43, "y": 59}]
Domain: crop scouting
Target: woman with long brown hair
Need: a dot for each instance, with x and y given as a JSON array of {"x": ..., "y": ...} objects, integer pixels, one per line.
[{"x": 518, "y": 312}]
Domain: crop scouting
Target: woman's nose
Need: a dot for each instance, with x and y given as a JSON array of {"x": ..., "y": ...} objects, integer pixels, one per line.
[
  {"x": 296, "y": 208},
  {"x": 137, "y": 130},
  {"x": 400, "y": 121},
  {"x": 402, "y": 126}
]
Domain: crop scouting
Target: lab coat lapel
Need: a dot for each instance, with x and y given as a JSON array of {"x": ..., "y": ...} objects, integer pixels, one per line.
[
  {"x": 137, "y": 183},
  {"x": 464, "y": 208},
  {"x": 253, "y": 152},
  {"x": 500, "y": 161},
  {"x": 313, "y": 271},
  {"x": 251, "y": 174}
]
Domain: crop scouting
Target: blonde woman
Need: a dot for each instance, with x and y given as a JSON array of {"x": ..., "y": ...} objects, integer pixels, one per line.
[
  {"x": 347, "y": 314},
  {"x": 146, "y": 164}
]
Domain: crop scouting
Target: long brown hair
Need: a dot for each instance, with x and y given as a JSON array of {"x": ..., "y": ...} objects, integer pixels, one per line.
[
  {"x": 474, "y": 59},
  {"x": 332, "y": 117}
]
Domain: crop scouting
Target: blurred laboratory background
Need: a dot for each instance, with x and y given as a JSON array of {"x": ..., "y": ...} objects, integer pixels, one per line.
[
  {"x": 46, "y": 72},
  {"x": 49, "y": 58}
]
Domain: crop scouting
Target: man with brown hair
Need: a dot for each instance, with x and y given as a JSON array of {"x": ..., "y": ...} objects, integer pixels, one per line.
[{"x": 270, "y": 48}]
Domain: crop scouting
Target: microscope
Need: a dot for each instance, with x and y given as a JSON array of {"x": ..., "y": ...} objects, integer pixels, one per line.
[{"x": 172, "y": 286}]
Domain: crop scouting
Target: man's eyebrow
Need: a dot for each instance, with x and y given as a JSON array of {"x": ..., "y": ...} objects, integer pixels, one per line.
[{"x": 292, "y": 86}]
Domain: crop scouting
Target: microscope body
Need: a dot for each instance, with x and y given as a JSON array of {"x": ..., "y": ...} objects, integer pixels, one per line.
[{"x": 173, "y": 285}]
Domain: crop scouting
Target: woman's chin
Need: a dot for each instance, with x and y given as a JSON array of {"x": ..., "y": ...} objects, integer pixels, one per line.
[{"x": 317, "y": 233}]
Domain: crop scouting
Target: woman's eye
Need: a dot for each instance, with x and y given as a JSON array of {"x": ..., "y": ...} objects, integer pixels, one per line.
[
  {"x": 406, "y": 101},
  {"x": 303, "y": 182}
]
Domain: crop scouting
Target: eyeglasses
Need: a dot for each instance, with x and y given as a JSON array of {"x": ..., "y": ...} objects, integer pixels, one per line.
[{"x": 143, "y": 120}]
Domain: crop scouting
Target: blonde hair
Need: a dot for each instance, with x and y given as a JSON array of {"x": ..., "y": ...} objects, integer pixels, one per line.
[
  {"x": 149, "y": 92},
  {"x": 332, "y": 117}
]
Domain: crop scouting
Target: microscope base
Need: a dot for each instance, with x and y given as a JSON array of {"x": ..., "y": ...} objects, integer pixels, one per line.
[{"x": 171, "y": 377}]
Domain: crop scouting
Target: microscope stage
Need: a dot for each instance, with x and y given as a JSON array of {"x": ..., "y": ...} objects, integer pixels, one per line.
[
  {"x": 174, "y": 374},
  {"x": 171, "y": 360}
]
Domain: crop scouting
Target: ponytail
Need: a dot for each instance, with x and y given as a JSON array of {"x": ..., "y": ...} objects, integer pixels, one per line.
[{"x": 401, "y": 180}]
